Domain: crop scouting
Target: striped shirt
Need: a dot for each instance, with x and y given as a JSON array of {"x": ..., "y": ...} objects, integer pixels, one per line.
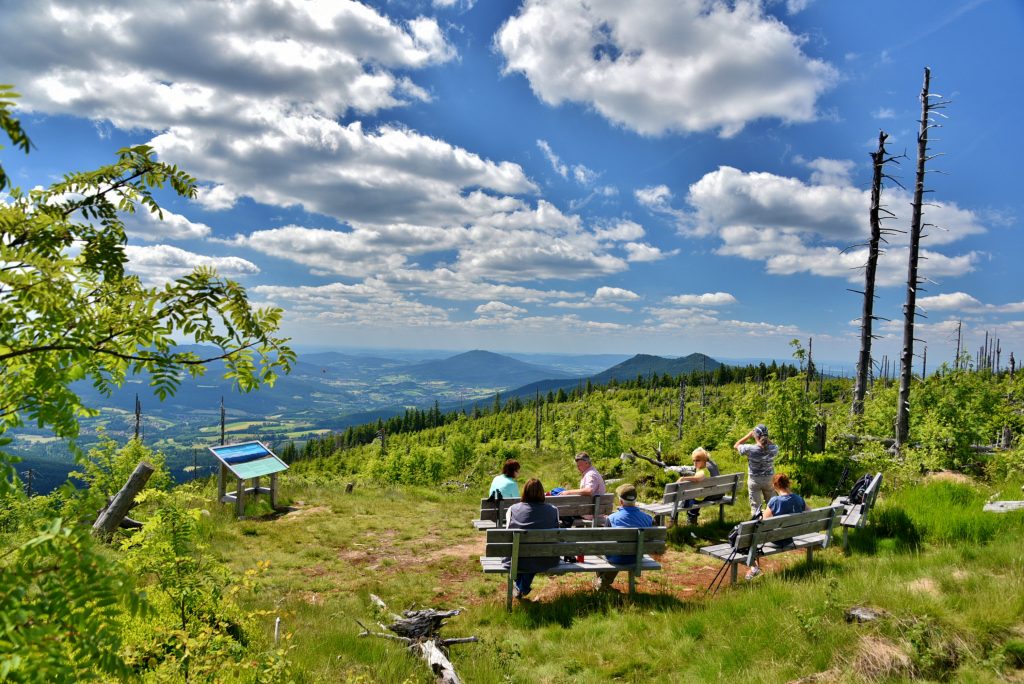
[{"x": 761, "y": 461}]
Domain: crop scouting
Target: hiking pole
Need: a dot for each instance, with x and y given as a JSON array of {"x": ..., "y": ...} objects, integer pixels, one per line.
[
  {"x": 838, "y": 489},
  {"x": 719, "y": 576}
]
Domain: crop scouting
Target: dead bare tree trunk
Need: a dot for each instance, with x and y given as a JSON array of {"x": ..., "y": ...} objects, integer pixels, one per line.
[
  {"x": 536, "y": 408},
  {"x": 682, "y": 407},
  {"x": 956, "y": 361},
  {"x": 878, "y": 159},
  {"x": 138, "y": 417},
  {"x": 913, "y": 280}
]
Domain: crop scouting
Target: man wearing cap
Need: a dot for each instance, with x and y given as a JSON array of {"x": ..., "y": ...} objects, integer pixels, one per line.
[
  {"x": 628, "y": 515},
  {"x": 760, "y": 466}
]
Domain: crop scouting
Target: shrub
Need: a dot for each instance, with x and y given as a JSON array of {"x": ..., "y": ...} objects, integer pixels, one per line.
[
  {"x": 107, "y": 467},
  {"x": 194, "y": 628},
  {"x": 60, "y": 599}
]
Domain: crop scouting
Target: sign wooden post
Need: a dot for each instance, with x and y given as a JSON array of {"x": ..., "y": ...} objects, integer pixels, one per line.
[{"x": 246, "y": 461}]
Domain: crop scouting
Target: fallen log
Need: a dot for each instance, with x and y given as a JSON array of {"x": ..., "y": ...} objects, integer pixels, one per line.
[
  {"x": 886, "y": 442},
  {"x": 418, "y": 629}
]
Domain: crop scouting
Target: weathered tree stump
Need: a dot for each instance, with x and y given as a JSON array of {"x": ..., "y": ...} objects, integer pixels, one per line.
[
  {"x": 418, "y": 629},
  {"x": 864, "y": 614},
  {"x": 110, "y": 517}
]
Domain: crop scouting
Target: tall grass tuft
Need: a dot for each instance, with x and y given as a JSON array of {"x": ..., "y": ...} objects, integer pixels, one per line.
[{"x": 944, "y": 512}]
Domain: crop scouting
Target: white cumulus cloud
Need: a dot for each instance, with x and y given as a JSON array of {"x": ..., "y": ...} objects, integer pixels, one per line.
[
  {"x": 614, "y": 294},
  {"x": 796, "y": 226},
  {"x": 160, "y": 263},
  {"x": 706, "y": 299},
  {"x": 499, "y": 309},
  {"x": 148, "y": 226},
  {"x": 660, "y": 65}
]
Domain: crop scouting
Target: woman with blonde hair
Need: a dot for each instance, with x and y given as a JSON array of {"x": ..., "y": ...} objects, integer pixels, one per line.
[{"x": 700, "y": 472}]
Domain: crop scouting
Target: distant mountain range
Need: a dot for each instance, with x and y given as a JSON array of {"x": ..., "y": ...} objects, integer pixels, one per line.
[
  {"x": 328, "y": 387},
  {"x": 640, "y": 365},
  {"x": 324, "y": 391},
  {"x": 480, "y": 368}
]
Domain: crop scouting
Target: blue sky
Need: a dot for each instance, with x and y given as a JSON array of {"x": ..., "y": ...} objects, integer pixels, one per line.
[{"x": 658, "y": 176}]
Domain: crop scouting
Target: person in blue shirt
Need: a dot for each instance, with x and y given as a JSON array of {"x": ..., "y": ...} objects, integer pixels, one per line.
[
  {"x": 505, "y": 482},
  {"x": 628, "y": 515},
  {"x": 783, "y": 503}
]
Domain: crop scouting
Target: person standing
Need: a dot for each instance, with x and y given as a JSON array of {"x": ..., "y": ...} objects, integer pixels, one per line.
[
  {"x": 760, "y": 465},
  {"x": 505, "y": 482},
  {"x": 628, "y": 515},
  {"x": 531, "y": 513}
]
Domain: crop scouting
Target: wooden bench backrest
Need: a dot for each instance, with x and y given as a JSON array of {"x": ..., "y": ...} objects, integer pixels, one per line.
[
  {"x": 709, "y": 486},
  {"x": 756, "y": 532},
  {"x": 573, "y": 504},
  {"x": 580, "y": 541},
  {"x": 871, "y": 493}
]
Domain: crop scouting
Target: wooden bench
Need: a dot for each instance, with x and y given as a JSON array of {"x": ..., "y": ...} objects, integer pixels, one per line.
[
  {"x": 493, "y": 512},
  {"x": 678, "y": 493},
  {"x": 855, "y": 516},
  {"x": 593, "y": 543},
  {"x": 809, "y": 530}
]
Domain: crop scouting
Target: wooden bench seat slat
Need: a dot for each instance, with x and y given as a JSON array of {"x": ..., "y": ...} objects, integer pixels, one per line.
[
  {"x": 577, "y": 534},
  {"x": 666, "y": 508},
  {"x": 724, "y": 551},
  {"x": 589, "y": 564},
  {"x": 532, "y": 550}
]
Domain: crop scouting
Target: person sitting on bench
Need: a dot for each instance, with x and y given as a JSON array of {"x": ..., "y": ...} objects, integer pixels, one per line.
[
  {"x": 627, "y": 516},
  {"x": 531, "y": 513},
  {"x": 591, "y": 484},
  {"x": 505, "y": 483},
  {"x": 783, "y": 503},
  {"x": 700, "y": 467}
]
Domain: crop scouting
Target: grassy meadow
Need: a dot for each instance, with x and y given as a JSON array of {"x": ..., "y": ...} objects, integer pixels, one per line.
[
  {"x": 949, "y": 579},
  {"x": 194, "y": 595}
]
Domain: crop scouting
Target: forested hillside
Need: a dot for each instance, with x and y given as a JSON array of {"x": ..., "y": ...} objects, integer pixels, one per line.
[{"x": 415, "y": 492}]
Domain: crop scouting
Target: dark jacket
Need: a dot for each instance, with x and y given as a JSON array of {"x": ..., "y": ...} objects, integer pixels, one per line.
[{"x": 533, "y": 516}]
